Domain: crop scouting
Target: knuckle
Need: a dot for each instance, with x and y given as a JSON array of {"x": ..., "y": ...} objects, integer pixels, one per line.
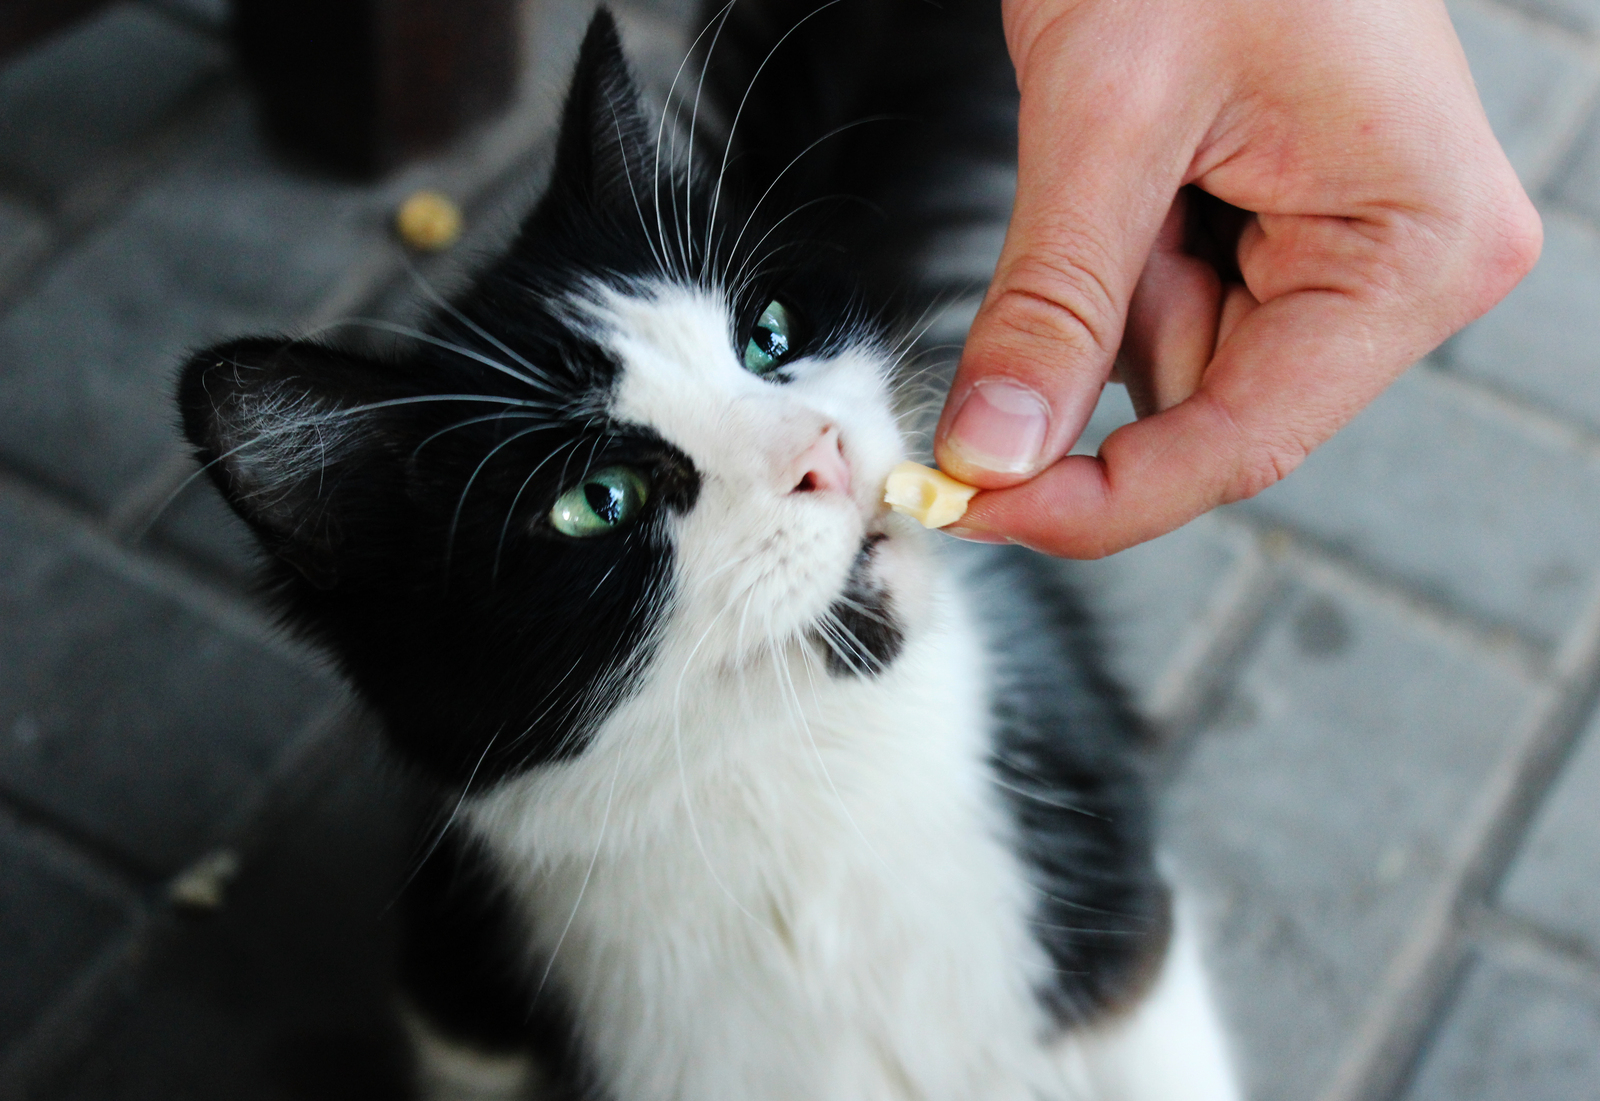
[
  {"x": 1511, "y": 242},
  {"x": 1262, "y": 467},
  {"x": 1495, "y": 241},
  {"x": 1056, "y": 297},
  {"x": 1259, "y": 462},
  {"x": 1260, "y": 471}
]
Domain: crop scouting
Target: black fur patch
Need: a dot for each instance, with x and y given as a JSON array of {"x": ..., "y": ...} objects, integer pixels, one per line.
[
  {"x": 463, "y": 960},
  {"x": 1067, "y": 761},
  {"x": 464, "y": 966},
  {"x": 862, "y": 636},
  {"x": 874, "y": 118},
  {"x": 416, "y": 546}
]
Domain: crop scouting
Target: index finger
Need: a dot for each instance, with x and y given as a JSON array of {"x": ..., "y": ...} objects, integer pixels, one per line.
[{"x": 1290, "y": 375}]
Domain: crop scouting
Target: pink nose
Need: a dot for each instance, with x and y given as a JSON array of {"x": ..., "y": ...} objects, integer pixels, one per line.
[{"x": 822, "y": 466}]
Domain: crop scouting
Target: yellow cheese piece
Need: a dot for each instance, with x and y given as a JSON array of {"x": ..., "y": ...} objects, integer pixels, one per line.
[
  {"x": 429, "y": 221},
  {"x": 927, "y": 496}
]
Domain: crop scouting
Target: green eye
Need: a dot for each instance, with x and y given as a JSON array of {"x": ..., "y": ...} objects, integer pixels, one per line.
[
  {"x": 770, "y": 341},
  {"x": 604, "y": 501}
]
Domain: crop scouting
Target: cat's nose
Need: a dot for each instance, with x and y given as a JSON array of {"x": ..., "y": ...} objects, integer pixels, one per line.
[{"x": 822, "y": 466}]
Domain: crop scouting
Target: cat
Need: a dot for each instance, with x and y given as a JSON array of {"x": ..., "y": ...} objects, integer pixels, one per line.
[{"x": 747, "y": 789}]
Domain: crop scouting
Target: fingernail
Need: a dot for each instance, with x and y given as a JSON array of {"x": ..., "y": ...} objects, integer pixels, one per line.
[{"x": 1000, "y": 427}]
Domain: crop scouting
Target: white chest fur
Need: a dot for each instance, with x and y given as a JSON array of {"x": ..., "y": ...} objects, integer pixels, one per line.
[{"x": 771, "y": 883}]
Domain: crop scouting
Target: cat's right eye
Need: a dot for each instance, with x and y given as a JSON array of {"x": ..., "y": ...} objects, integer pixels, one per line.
[{"x": 605, "y": 500}]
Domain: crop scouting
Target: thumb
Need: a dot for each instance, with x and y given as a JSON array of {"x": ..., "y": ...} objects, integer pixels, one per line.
[{"x": 1102, "y": 150}]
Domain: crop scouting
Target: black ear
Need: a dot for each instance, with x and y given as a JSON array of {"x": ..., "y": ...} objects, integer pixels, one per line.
[
  {"x": 292, "y": 433},
  {"x": 605, "y": 155}
]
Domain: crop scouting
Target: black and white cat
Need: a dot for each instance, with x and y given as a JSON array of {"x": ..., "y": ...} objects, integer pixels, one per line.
[{"x": 750, "y": 792}]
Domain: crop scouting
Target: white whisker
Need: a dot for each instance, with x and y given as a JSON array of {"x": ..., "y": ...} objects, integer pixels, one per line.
[
  {"x": 461, "y": 501},
  {"x": 837, "y": 130},
  {"x": 733, "y": 127},
  {"x": 511, "y": 509},
  {"x": 444, "y": 304},
  {"x": 397, "y": 329},
  {"x": 599, "y": 843}
]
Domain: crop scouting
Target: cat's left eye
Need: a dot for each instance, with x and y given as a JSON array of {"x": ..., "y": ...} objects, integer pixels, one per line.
[
  {"x": 771, "y": 340},
  {"x": 605, "y": 500}
]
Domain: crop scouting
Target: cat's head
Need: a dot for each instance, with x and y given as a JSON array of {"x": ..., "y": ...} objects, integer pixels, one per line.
[{"x": 655, "y": 432}]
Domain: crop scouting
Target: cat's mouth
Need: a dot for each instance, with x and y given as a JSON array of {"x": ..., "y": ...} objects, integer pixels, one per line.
[{"x": 860, "y": 634}]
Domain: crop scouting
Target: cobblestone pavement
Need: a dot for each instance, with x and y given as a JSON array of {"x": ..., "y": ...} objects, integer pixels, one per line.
[{"x": 1378, "y": 679}]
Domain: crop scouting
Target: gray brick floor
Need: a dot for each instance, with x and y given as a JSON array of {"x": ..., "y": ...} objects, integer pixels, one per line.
[{"x": 1377, "y": 681}]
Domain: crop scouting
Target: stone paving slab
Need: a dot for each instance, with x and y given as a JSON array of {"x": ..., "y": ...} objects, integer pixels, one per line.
[
  {"x": 24, "y": 237},
  {"x": 284, "y": 992},
  {"x": 125, "y": 714},
  {"x": 1577, "y": 184},
  {"x": 72, "y": 107},
  {"x": 198, "y": 527},
  {"x": 1514, "y": 1036},
  {"x": 1543, "y": 342},
  {"x": 1434, "y": 485},
  {"x": 209, "y": 14},
  {"x": 226, "y": 240},
  {"x": 225, "y": 243},
  {"x": 1582, "y": 16},
  {"x": 1535, "y": 82},
  {"x": 1166, "y": 609},
  {"x": 1113, "y": 410},
  {"x": 962, "y": 257},
  {"x": 1319, "y": 817},
  {"x": 59, "y": 916},
  {"x": 1555, "y": 880}
]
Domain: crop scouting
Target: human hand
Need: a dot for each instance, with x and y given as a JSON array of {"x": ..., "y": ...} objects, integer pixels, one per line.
[{"x": 1383, "y": 216}]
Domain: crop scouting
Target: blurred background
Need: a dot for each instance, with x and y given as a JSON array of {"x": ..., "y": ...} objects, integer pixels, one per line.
[{"x": 1375, "y": 683}]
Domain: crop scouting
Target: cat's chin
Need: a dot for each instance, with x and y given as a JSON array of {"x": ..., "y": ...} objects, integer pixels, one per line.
[{"x": 883, "y": 599}]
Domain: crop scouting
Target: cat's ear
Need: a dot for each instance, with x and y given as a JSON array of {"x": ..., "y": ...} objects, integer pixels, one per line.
[
  {"x": 605, "y": 154},
  {"x": 291, "y": 433}
]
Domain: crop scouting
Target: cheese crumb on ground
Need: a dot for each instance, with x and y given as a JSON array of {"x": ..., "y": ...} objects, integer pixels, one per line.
[
  {"x": 204, "y": 884},
  {"x": 927, "y": 496},
  {"x": 429, "y": 221}
]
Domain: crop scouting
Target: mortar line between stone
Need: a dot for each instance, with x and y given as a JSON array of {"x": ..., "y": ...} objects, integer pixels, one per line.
[
  {"x": 1526, "y": 946},
  {"x": 239, "y": 829},
  {"x": 1487, "y": 399},
  {"x": 1390, "y": 1035},
  {"x": 1501, "y": 644},
  {"x": 75, "y": 1015},
  {"x": 234, "y": 612},
  {"x": 122, "y": 872},
  {"x": 1211, "y": 649},
  {"x": 72, "y": 221},
  {"x": 1394, "y": 1034}
]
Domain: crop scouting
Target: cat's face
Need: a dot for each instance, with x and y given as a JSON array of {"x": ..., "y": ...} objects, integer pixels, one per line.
[
  {"x": 598, "y": 460},
  {"x": 788, "y": 537}
]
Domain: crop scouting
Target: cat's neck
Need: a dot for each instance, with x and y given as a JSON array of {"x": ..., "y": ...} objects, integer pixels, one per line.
[{"x": 745, "y": 750}]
